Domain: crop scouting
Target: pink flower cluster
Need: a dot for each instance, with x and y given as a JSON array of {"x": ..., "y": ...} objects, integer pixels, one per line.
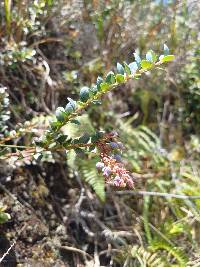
[{"x": 111, "y": 165}]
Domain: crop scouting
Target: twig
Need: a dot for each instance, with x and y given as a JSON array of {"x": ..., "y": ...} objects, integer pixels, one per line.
[
  {"x": 76, "y": 250},
  {"x": 158, "y": 194},
  {"x": 16, "y": 146},
  {"x": 14, "y": 242},
  {"x": 7, "y": 252}
]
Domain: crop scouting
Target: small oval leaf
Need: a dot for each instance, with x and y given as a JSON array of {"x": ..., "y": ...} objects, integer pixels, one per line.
[
  {"x": 133, "y": 67},
  {"x": 104, "y": 86},
  {"x": 167, "y": 58},
  {"x": 60, "y": 113},
  {"x": 137, "y": 58},
  {"x": 166, "y": 50},
  {"x": 120, "y": 68},
  {"x": 84, "y": 94},
  {"x": 120, "y": 78},
  {"x": 99, "y": 81},
  {"x": 145, "y": 64},
  {"x": 110, "y": 77}
]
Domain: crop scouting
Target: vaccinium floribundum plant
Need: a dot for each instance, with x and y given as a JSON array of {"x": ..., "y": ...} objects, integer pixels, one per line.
[{"x": 110, "y": 164}]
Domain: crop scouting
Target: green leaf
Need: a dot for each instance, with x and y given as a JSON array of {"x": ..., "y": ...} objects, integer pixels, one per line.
[
  {"x": 60, "y": 113},
  {"x": 127, "y": 68},
  {"x": 95, "y": 137},
  {"x": 167, "y": 58},
  {"x": 145, "y": 64},
  {"x": 166, "y": 50},
  {"x": 99, "y": 81},
  {"x": 80, "y": 152},
  {"x": 110, "y": 77},
  {"x": 55, "y": 124},
  {"x": 38, "y": 156},
  {"x": 104, "y": 86},
  {"x": 84, "y": 138},
  {"x": 120, "y": 69},
  {"x": 91, "y": 148},
  {"x": 120, "y": 78},
  {"x": 4, "y": 217},
  {"x": 61, "y": 138},
  {"x": 75, "y": 122},
  {"x": 133, "y": 67},
  {"x": 84, "y": 94}
]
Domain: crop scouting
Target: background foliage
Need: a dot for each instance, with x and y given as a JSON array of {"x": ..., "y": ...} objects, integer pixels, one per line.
[{"x": 48, "y": 51}]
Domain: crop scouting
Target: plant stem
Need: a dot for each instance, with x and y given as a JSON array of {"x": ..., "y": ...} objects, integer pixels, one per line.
[{"x": 155, "y": 194}]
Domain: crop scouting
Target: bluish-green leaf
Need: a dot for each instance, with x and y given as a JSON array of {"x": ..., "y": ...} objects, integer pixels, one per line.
[
  {"x": 151, "y": 56},
  {"x": 120, "y": 78},
  {"x": 84, "y": 94},
  {"x": 72, "y": 102},
  {"x": 61, "y": 138},
  {"x": 69, "y": 108},
  {"x": 60, "y": 113},
  {"x": 133, "y": 67},
  {"x": 166, "y": 50},
  {"x": 120, "y": 68},
  {"x": 99, "y": 81},
  {"x": 80, "y": 152},
  {"x": 110, "y": 77},
  {"x": 137, "y": 58},
  {"x": 84, "y": 138},
  {"x": 75, "y": 122},
  {"x": 95, "y": 137},
  {"x": 94, "y": 90},
  {"x": 145, "y": 64}
]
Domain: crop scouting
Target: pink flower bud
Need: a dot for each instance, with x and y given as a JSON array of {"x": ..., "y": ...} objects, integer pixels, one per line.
[
  {"x": 99, "y": 165},
  {"x": 117, "y": 157},
  {"x": 106, "y": 171},
  {"x": 113, "y": 145}
]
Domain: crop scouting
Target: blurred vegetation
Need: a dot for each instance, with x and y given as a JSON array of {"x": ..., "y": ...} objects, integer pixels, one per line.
[{"x": 48, "y": 51}]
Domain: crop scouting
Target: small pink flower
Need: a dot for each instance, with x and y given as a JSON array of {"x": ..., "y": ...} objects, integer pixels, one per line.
[
  {"x": 99, "y": 165},
  {"x": 106, "y": 171}
]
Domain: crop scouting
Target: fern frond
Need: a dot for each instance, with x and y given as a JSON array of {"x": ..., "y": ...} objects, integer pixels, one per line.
[
  {"x": 176, "y": 252},
  {"x": 85, "y": 167},
  {"x": 92, "y": 177},
  {"x": 145, "y": 218},
  {"x": 146, "y": 257},
  {"x": 88, "y": 172},
  {"x": 140, "y": 142}
]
